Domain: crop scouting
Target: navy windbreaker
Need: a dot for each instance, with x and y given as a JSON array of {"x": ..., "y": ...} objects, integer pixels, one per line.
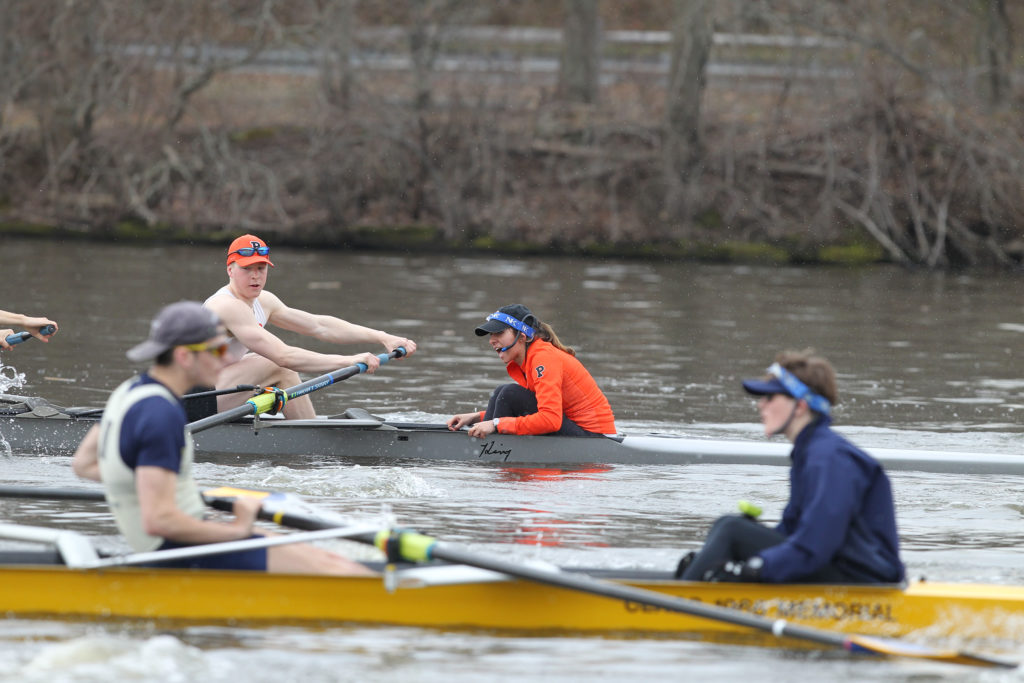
[{"x": 840, "y": 510}]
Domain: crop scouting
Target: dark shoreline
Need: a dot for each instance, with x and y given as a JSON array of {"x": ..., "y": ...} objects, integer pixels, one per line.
[{"x": 427, "y": 239}]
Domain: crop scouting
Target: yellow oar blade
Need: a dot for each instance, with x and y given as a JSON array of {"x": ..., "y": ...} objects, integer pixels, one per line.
[
  {"x": 232, "y": 492},
  {"x": 902, "y": 648}
]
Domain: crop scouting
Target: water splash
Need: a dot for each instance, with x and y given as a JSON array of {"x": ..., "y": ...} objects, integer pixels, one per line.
[
  {"x": 10, "y": 378},
  {"x": 118, "y": 657}
]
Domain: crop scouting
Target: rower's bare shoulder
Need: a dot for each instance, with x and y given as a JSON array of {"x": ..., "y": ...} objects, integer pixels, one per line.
[
  {"x": 270, "y": 302},
  {"x": 221, "y": 304},
  {"x": 231, "y": 311}
]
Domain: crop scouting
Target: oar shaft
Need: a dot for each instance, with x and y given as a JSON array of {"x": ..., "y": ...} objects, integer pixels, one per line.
[
  {"x": 186, "y": 397},
  {"x": 322, "y": 381},
  {"x": 579, "y": 582},
  {"x": 205, "y": 550},
  {"x": 417, "y": 547},
  {"x": 587, "y": 584},
  {"x": 220, "y": 392},
  {"x": 51, "y": 493},
  {"x": 261, "y": 403}
]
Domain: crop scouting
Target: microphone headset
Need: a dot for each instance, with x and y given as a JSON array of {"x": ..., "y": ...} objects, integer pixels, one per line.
[{"x": 503, "y": 349}]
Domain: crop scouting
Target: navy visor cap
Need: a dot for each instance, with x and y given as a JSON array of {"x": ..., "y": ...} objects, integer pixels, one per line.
[
  {"x": 517, "y": 311},
  {"x": 763, "y": 387}
]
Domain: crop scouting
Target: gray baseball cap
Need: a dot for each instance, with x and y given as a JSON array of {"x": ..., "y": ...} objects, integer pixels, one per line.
[{"x": 184, "y": 322}]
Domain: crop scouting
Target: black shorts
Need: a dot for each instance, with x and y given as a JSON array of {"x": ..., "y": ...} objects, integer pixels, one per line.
[{"x": 252, "y": 560}]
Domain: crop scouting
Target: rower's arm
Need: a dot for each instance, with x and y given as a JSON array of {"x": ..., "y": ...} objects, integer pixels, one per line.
[
  {"x": 161, "y": 516},
  {"x": 86, "y": 463},
  {"x": 8, "y": 318},
  {"x": 32, "y": 323},
  {"x": 238, "y": 319},
  {"x": 334, "y": 330}
]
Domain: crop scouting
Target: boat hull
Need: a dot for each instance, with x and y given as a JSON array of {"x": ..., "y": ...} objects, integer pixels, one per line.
[
  {"x": 930, "y": 609},
  {"x": 49, "y": 430}
]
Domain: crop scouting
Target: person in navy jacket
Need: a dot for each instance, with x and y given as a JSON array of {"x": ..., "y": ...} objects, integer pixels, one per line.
[{"x": 839, "y": 525}]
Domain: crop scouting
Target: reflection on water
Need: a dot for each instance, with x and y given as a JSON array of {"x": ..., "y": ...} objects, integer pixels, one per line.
[{"x": 549, "y": 473}]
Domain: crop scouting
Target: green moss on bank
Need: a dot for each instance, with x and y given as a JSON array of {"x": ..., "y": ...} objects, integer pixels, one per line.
[
  {"x": 428, "y": 238},
  {"x": 744, "y": 252},
  {"x": 852, "y": 254}
]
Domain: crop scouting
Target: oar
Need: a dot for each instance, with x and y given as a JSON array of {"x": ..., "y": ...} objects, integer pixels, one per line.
[
  {"x": 415, "y": 547},
  {"x": 261, "y": 403},
  {"x": 19, "y": 337},
  {"x": 186, "y": 397},
  {"x": 37, "y": 493},
  {"x": 220, "y": 392},
  {"x": 208, "y": 549}
]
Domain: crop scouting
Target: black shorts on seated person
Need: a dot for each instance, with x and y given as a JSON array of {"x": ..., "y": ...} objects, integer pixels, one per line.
[
  {"x": 252, "y": 560},
  {"x": 514, "y": 400}
]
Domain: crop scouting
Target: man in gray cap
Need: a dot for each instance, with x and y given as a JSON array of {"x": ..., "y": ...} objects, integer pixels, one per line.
[{"x": 143, "y": 454}]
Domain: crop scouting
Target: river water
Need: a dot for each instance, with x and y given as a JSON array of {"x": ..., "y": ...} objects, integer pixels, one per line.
[{"x": 926, "y": 360}]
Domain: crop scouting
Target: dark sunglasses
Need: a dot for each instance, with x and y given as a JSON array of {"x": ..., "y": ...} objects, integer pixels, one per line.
[
  {"x": 249, "y": 251},
  {"x": 217, "y": 350}
]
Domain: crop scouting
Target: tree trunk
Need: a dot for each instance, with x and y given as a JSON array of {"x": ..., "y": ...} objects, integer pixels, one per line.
[
  {"x": 580, "y": 67},
  {"x": 995, "y": 42},
  {"x": 336, "y": 52},
  {"x": 691, "y": 44}
]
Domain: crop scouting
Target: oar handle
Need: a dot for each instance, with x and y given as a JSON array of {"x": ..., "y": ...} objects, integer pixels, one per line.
[
  {"x": 384, "y": 358},
  {"x": 264, "y": 402},
  {"x": 267, "y": 401},
  {"x": 19, "y": 337}
]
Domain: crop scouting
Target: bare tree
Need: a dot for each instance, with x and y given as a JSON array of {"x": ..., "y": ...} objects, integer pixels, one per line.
[
  {"x": 335, "y": 27},
  {"x": 580, "y": 66},
  {"x": 691, "y": 45},
  {"x": 124, "y": 111},
  {"x": 900, "y": 152},
  {"x": 431, "y": 18},
  {"x": 995, "y": 45},
  {"x": 18, "y": 70},
  {"x": 108, "y": 83}
]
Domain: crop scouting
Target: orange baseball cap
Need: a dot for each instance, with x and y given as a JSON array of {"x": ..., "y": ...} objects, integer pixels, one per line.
[{"x": 247, "y": 250}]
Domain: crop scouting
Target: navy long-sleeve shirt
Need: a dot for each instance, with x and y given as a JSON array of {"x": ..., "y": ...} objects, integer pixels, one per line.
[{"x": 840, "y": 510}]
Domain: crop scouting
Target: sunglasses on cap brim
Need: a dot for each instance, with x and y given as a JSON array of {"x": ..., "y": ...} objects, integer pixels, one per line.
[{"x": 252, "y": 251}]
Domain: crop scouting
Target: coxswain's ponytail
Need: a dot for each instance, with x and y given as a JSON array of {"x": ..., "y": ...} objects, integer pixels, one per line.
[{"x": 545, "y": 332}]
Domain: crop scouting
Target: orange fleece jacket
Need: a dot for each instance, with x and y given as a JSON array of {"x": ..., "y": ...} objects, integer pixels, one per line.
[{"x": 563, "y": 387}]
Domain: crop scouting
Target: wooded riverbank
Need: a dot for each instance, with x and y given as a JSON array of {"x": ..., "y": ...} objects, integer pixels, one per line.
[{"x": 856, "y": 150}]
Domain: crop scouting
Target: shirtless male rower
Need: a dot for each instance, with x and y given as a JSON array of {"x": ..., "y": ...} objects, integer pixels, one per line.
[
  {"x": 143, "y": 452},
  {"x": 259, "y": 357}
]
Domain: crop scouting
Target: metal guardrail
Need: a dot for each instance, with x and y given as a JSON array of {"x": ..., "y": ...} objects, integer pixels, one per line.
[
  {"x": 528, "y": 35},
  {"x": 383, "y": 49}
]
